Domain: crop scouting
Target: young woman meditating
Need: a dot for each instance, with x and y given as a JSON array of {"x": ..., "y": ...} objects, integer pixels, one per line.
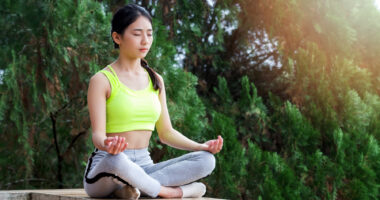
[{"x": 126, "y": 101}]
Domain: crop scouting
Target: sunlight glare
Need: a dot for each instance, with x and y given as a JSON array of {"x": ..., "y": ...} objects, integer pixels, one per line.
[{"x": 377, "y": 4}]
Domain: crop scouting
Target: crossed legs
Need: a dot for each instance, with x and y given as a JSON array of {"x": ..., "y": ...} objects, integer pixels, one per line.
[
  {"x": 180, "y": 171},
  {"x": 106, "y": 172},
  {"x": 184, "y": 169}
]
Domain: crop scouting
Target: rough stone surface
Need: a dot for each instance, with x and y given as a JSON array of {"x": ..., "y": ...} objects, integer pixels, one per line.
[{"x": 62, "y": 194}]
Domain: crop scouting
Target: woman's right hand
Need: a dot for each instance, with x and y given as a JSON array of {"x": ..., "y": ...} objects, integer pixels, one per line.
[{"x": 115, "y": 145}]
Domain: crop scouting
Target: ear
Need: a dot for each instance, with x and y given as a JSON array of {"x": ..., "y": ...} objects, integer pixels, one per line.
[{"x": 116, "y": 37}]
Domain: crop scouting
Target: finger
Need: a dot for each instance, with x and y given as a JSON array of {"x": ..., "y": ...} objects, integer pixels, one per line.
[
  {"x": 220, "y": 144},
  {"x": 215, "y": 145},
  {"x": 122, "y": 139},
  {"x": 115, "y": 145},
  {"x": 212, "y": 145},
  {"x": 118, "y": 147},
  {"x": 106, "y": 141},
  {"x": 122, "y": 145},
  {"x": 108, "y": 145},
  {"x": 112, "y": 141},
  {"x": 113, "y": 138},
  {"x": 111, "y": 148}
]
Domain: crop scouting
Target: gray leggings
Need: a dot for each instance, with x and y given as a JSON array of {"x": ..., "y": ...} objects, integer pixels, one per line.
[{"x": 106, "y": 172}]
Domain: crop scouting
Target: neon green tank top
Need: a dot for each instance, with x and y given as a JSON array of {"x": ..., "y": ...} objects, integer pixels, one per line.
[{"x": 128, "y": 109}]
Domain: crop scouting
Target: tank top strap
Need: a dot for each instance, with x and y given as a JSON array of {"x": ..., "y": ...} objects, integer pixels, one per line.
[
  {"x": 113, "y": 71},
  {"x": 114, "y": 74},
  {"x": 111, "y": 78}
]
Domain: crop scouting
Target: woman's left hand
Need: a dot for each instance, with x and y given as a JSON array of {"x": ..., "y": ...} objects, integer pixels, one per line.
[{"x": 213, "y": 146}]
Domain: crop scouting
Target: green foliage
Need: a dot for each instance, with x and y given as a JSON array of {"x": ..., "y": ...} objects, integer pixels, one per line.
[
  {"x": 308, "y": 129},
  {"x": 44, "y": 85},
  {"x": 372, "y": 102},
  {"x": 357, "y": 163},
  {"x": 230, "y": 170},
  {"x": 298, "y": 133},
  {"x": 271, "y": 177},
  {"x": 356, "y": 114}
]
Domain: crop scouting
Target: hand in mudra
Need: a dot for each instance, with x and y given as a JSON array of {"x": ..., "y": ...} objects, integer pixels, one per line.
[
  {"x": 213, "y": 146},
  {"x": 115, "y": 145}
]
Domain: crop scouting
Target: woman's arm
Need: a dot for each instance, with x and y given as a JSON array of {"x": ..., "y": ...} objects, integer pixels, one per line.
[
  {"x": 167, "y": 134},
  {"x": 96, "y": 102},
  {"x": 177, "y": 140}
]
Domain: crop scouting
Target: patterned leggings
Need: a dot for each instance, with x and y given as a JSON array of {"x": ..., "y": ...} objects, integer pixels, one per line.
[{"x": 106, "y": 172}]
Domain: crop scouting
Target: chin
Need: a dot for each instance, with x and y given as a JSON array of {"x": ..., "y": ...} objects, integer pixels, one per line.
[{"x": 141, "y": 56}]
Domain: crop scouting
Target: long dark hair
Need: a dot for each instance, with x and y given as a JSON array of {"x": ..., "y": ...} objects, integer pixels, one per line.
[{"x": 121, "y": 20}]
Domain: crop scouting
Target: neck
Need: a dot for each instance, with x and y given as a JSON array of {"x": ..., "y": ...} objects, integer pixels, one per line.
[{"x": 129, "y": 65}]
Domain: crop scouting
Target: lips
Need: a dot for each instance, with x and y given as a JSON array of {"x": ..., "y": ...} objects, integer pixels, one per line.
[{"x": 144, "y": 49}]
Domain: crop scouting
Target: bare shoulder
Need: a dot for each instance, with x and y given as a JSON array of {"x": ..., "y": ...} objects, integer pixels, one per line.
[
  {"x": 99, "y": 81},
  {"x": 98, "y": 78}
]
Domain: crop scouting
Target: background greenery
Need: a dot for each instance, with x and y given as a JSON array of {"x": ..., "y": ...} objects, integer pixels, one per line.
[{"x": 293, "y": 87}]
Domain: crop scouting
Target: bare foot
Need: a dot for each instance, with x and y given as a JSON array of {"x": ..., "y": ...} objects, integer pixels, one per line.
[{"x": 170, "y": 192}]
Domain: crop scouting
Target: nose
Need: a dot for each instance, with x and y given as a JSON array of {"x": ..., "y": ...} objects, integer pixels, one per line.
[{"x": 145, "y": 39}]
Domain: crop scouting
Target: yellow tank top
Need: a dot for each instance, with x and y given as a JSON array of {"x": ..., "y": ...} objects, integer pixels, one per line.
[{"x": 128, "y": 109}]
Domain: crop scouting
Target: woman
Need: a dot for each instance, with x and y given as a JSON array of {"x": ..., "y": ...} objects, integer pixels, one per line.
[{"x": 126, "y": 100}]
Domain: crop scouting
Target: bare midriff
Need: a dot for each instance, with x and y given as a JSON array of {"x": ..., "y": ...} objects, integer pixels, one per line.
[{"x": 137, "y": 139}]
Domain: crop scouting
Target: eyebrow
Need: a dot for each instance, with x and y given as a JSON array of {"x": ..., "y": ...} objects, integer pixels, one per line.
[{"x": 139, "y": 29}]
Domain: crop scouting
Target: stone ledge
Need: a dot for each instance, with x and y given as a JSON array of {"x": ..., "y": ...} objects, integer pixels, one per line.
[{"x": 63, "y": 194}]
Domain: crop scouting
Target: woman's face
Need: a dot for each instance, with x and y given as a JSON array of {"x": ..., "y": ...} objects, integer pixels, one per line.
[{"x": 137, "y": 38}]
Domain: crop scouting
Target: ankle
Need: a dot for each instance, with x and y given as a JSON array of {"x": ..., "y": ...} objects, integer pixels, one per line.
[
  {"x": 170, "y": 192},
  {"x": 180, "y": 192}
]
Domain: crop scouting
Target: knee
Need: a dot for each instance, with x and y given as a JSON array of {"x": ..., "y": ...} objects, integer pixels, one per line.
[
  {"x": 208, "y": 162},
  {"x": 118, "y": 162}
]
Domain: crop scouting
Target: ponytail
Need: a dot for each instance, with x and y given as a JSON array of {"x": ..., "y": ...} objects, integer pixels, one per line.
[{"x": 152, "y": 74}]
